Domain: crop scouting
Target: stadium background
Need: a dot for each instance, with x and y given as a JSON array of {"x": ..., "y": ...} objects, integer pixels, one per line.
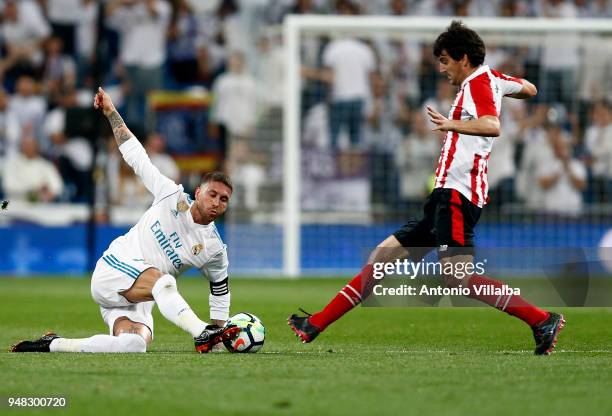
[{"x": 209, "y": 77}]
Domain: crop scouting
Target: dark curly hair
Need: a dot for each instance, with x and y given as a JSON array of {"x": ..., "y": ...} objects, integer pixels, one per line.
[{"x": 459, "y": 40}]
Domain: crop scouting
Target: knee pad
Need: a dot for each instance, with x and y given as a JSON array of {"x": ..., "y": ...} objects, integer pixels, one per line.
[
  {"x": 164, "y": 283},
  {"x": 131, "y": 343}
]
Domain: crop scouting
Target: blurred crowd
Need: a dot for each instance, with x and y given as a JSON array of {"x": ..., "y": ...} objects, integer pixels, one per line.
[
  {"x": 358, "y": 95},
  {"x": 368, "y": 94}
]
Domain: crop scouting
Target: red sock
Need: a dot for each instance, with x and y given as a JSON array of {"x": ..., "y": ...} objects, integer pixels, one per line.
[
  {"x": 511, "y": 304},
  {"x": 349, "y": 296}
]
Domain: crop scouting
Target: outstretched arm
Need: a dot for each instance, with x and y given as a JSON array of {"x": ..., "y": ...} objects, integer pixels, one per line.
[
  {"x": 103, "y": 102},
  {"x": 132, "y": 151}
]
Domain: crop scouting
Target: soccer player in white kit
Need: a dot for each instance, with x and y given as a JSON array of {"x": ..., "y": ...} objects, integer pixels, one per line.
[{"x": 138, "y": 268}]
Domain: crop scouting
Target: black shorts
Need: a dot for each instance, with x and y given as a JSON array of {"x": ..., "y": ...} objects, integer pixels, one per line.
[{"x": 448, "y": 224}]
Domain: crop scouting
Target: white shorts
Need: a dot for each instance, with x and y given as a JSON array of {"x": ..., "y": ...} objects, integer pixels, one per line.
[{"x": 114, "y": 274}]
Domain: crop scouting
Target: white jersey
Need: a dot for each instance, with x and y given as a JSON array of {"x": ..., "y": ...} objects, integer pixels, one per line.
[
  {"x": 166, "y": 236},
  {"x": 463, "y": 162}
]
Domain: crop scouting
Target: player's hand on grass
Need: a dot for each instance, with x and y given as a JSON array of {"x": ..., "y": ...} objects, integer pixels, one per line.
[
  {"x": 103, "y": 102},
  {"x": 441, "y": 123}
]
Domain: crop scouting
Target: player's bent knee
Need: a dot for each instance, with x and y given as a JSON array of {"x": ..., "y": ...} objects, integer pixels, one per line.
[
  {"x": 388, "y": 251},
  {"x": 164, "y": 284},
  {"x": 123, "y": 325},
  {"x": 151, "y": 273},
  {"x": 141, "y": 290},
  {"x": 131, "y": 343},
  {"x": 452, "y": 281}
]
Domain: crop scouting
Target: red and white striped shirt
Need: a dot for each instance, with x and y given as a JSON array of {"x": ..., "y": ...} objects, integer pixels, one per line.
[{"x": 463, "y": 162}]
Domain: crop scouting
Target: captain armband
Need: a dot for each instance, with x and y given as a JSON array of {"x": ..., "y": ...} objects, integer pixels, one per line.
[{"x": 220, "y": 288}]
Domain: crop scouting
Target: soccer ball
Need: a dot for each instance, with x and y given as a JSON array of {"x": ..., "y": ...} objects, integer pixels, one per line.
[{"x": 252, "y": 334}]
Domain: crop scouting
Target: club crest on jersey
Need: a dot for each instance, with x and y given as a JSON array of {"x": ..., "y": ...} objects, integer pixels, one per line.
[
  {"x": 182, "y": 206},
  {"x": 197, "y": 249}
]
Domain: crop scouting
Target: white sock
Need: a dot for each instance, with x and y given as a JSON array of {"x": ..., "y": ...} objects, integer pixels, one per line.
[
  {"x": 174, "y": 308},
  {"x": 100, "y": 343}
]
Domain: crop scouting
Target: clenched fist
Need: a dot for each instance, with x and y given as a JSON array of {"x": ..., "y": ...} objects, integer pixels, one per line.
[{"x": 103, "y": 102}]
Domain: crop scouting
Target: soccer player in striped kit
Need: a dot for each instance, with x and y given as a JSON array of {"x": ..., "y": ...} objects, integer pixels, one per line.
[
  {"x": 138, "y": 269},
  {"x": 454, "y": 206}
]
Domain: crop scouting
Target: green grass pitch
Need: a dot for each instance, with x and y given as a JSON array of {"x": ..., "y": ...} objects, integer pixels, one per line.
[{"x": 419, "y": 361}]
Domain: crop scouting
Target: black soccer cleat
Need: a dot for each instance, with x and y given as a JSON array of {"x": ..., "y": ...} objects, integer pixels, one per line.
[
  {"x": 214, "y": 334},
  {"x": 545, "y": 333},
  {"x": 302, "y": 327},
  {"x": 40, "y": 345}
]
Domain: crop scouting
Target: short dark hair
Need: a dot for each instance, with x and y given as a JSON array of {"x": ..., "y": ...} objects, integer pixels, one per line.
[
  {"x": 217, "y": 176},
  {"x": 459, "y": 40}
]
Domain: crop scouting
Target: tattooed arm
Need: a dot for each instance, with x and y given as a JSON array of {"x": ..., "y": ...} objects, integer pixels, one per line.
[
  {"x": 103, "y": 102},
  {"x": 132, "y": 151},
  {"x": 120, "y": 130}
]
